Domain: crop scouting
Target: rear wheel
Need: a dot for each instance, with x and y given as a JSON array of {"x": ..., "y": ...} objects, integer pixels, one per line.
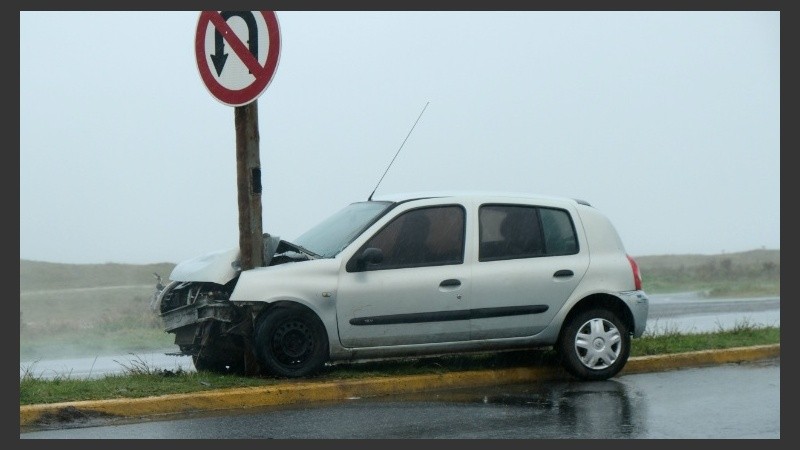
[
  {"x": 291, "y": 342},
  {"x": 594, "y": 345}
]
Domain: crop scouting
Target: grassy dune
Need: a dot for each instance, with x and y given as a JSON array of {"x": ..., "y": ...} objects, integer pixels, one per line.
[
  {"x": 747, "y": 274},
  {"x": 88, "y": 309}
]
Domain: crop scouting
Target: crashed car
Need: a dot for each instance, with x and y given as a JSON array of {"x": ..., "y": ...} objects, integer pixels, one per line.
[{"x": 413, "y": 275}]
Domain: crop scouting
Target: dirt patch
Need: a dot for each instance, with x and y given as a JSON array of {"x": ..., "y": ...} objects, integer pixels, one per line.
[{"x": 71, "y": 414}]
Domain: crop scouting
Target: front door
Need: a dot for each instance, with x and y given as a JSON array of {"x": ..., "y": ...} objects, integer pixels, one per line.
[{"x": 419, "y": 291}]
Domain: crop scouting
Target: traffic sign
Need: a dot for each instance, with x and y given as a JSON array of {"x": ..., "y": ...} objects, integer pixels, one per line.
[{"x": 237, "y": 53}]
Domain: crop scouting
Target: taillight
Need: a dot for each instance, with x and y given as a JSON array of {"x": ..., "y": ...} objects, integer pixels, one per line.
[{"x": 637, "y": 276}]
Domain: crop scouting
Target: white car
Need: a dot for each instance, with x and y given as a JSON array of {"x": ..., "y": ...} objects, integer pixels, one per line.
[{"x": 413, "y": 275}]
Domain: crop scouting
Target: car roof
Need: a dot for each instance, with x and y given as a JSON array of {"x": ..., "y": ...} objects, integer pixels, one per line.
[{"x": 407, "y": 196}]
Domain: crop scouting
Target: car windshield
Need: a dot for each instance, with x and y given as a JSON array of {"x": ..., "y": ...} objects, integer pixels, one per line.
[{"x": 333, "y": 234}]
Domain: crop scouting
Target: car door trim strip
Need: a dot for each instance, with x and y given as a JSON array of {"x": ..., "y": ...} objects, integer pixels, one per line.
[{"x": 446, "y": 316}]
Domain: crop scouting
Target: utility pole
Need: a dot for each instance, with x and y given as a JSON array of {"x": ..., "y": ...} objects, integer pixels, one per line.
[{"x": 248, "y": 176}]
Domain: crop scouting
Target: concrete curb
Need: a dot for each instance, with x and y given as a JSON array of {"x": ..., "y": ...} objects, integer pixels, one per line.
[{"x": 308, "y": 392}]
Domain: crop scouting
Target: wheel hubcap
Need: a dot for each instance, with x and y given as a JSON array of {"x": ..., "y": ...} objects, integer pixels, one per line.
[{"x": 598, "y": 344}]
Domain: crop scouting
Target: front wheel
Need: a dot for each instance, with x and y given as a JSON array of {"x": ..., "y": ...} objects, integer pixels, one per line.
[
  {"x": 594, "y": 345},
  {"x": 223, "y": 355},
  {"x": 291, "y": 342},
  {"x": 217, "y": 364}
]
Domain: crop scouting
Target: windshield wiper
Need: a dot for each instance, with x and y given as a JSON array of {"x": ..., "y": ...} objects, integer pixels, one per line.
[{"x": 306, "y": 251}]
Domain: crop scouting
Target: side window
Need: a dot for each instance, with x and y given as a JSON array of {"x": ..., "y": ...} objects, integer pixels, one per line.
[
  {"x": 559, "y": 233},
  {"x": 509, "y": 232},
  {"x": 421, "y": 237}
]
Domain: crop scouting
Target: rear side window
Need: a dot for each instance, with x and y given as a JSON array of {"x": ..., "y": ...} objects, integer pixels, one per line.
[
  {"x": 559, "y": 232},
  {"x": 515, "y": 231}
]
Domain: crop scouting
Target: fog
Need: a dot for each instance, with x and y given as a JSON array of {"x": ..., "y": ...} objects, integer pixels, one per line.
[{"x": 668, "y": 122}]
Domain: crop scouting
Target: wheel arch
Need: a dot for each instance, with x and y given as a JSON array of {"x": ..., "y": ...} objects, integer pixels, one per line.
[
  {"x": 330, "y": 329},
  {"x": 271, "y": 306},
  {"x": 603, "y": 300}
]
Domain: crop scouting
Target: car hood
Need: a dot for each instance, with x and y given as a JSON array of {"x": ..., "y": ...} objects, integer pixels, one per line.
[
  {"x": 224, "y": 265},
  {"x": 215, "y": 267}
]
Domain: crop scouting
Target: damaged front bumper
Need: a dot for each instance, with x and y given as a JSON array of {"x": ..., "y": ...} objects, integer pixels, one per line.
[
  {"x": 195, "y": 306},
  {"x": 194, "y": 312},
  {"x": 197, "y": 313}
]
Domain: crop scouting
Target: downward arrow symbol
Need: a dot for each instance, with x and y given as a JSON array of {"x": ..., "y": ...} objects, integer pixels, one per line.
[{"x": 219, "y": 56}]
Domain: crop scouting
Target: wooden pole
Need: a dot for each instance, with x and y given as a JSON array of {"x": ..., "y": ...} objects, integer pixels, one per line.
[{"x": 248, "y": 175}]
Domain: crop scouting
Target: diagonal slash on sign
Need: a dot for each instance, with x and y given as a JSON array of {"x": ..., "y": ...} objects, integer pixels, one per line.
[{"x": 236, "y": 44}]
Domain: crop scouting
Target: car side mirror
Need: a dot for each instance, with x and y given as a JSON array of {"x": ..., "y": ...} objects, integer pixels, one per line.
[{"x": 370, "y": 255}]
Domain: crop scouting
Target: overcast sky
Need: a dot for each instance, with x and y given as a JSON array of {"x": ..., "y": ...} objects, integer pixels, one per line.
[{"x": 668, "y": 122}]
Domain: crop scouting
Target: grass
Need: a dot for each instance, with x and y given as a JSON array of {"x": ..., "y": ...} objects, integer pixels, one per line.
[
  {"x": 742, "y": 288},
  {"x": 141, "y": 380},
  {"x": 121, "y": 322},
  {"x": 666, "y": 341}
]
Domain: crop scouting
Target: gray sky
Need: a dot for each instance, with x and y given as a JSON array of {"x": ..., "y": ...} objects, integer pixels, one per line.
[{"x": 668, "y": 122}]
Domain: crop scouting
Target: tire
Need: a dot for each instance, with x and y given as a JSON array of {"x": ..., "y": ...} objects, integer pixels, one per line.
[
  {"x": 594, "y": 345},
  {"x": 291, "y": 343},
  {"x": 203, "y": 363},
  {"x": 225, "y": 356}
]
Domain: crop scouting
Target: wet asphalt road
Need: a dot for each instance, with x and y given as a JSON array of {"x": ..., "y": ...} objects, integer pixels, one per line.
[{"x": 734, "y": 401}]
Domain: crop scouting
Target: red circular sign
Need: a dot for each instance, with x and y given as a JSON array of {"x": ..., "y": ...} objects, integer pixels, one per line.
[{"x": 237, "y": 53}]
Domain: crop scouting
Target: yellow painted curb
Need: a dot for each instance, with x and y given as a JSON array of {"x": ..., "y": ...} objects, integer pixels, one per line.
[
  {"x": 306, "y": 392},
  {"x": 658, "y": 363}
]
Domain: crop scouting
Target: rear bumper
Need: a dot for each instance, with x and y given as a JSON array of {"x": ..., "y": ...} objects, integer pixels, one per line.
[{"x": 639, "y": 305}]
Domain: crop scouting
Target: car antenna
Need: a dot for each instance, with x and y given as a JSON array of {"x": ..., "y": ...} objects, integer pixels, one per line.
[{"x": 398, "y": 151}]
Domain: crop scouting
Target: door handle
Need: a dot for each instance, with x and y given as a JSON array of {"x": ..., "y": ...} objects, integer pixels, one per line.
[
  {"x": 563, "y": 273},
  {"x": 452, "y": 282}
]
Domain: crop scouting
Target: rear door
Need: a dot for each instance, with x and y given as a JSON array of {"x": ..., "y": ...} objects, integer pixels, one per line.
[{"x": 529, "y": 262}]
